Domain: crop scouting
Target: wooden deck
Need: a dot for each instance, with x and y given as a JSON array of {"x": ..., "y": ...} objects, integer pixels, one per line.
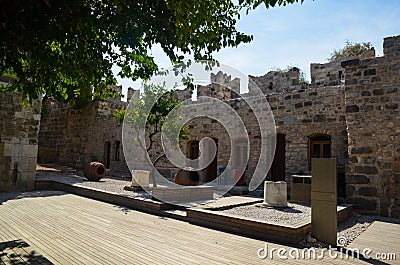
[
  {"x": 56, "y": 227},
  {"x": 383, "y": 238}
]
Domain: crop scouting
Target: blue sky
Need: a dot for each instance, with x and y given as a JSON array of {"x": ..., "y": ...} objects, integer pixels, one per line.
[{"x": 300, "y": 34}]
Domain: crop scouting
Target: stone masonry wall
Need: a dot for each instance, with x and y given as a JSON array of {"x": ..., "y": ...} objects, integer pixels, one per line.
[
  {"x": 302, "y": 115},
  {"x": 373, "y": 121},
  {"x": 74, "y": 138},
  {"x": 361, "y": 116},
  {"x": 332, "y": 73},
  {"x": 278, "y": 81},
  {"x": 19, "y": 127},
  {"x": 298, "y": 115}
]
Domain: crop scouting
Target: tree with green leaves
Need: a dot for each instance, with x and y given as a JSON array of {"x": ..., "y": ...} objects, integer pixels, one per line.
[
  {"x": 67, "y": 48},
  {"x": 148, "y": 114},
  {"x": 350, "y": 50}
]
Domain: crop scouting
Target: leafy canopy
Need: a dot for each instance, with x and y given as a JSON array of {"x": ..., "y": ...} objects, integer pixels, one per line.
[
  {"x": 350, "y": 50},
  {"x": 149, "y": 113},
  {"x": 66, "y": 48}
]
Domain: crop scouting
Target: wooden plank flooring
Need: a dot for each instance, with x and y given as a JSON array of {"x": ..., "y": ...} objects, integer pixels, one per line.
[
  {"x": 383, "y": 238},
  {"x": 67, "y": 229}
]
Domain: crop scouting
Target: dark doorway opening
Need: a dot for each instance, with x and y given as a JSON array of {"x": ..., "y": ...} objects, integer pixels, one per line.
[
  {"x": 107, "y": 154},
  {"x": 277, "y": 172},
  {"x": 194, "y": 151},
  {"x": 211, "y": 170}
]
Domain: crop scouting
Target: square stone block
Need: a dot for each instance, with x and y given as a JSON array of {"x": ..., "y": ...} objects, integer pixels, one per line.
[
  {"x": 140, "y": 178},
  {"x": 183, "y": 193}
]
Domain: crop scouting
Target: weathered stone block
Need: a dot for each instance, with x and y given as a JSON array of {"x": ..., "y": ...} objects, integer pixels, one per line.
[
  {"x": 29, "y": 150},
  {"x": 298, "y": 105},
  {"x": 353, "y": 159},
  {"x": 363, "y": 204},
  {"x": 378, "y": 92},
  {"x": 367, "y": 191},
  {"x": 366, "y": 169},
  {"x": 319, "y": 118},
  {"x": 290, "y": 120},
  {"x": 352, "y": 108},
  {"x": 391, "y": 106},
  {"x": 140, "y": 178},
  {"x": 7, "y": 149},
  {"x": 357, "y": 179},
  {"x": 348, "y": 63},
  {"x": 183, "y": 193},
  {"x": 369, "y": 72},
  {"x": 275, "y": 193},
  {"x": 362, "y": 150}
]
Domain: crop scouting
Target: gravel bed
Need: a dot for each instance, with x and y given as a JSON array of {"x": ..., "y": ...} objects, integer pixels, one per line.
[
  {"x": 71, "y": 176},
  {"x": 293, "y": 214},
  {"x": 349, "y": 230}
]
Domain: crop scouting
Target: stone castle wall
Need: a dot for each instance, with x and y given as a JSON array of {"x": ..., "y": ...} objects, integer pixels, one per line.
[
  {"x": 75, "y": 138},
  {"x": 302, "y": 115},
  {"x": 332, "y": 73},
  {"x": 278, "y": 81},
  {"x": 298, "y": 115},
  {"x": 355, "y": 103},
  {"x": 19, "y": 128},
  {"x": 373, "y": 122}
]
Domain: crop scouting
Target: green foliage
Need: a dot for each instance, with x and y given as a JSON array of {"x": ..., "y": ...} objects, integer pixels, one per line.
[
  {"x": 66, "y": 48},
  {"x": 268, "y": 3},
  {"x": 150, "y": 111},
  {"x": 350, "y": 50},
  {"x": 119, "y": 115}
]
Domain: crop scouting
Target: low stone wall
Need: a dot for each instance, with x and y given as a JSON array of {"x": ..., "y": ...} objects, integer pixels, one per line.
[{"x": 19, "y": 128}]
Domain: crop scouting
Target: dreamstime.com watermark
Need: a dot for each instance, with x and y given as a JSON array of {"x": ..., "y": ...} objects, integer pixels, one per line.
[{"x": 339, "y": 253}]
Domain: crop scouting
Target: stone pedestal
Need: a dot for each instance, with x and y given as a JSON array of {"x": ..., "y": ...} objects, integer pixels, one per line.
[
  {"x": 275, "y": 193},
  {"x": 183, "y": 193},
  {"x": 140, "y": 178}
]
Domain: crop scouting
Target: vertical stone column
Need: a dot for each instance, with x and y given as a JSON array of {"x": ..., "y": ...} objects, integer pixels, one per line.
[{"x": 19, "y": 128}]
